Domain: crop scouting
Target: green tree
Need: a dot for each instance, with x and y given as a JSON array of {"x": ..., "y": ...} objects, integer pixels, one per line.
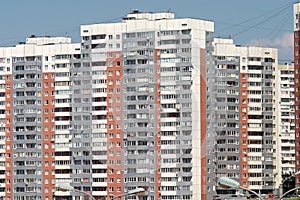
[{"x": 288, "y": 181}]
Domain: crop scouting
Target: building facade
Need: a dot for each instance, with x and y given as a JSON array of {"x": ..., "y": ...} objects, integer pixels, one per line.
[
  {"x": 285, "y": 123},
  {"x": 151, "y": 101},
  {"x": 31, "y": 112},
  {"x": 297, "y": 86},
  {"x": 153, "y": 84},
  {"x": 123, "y": 109},
  {"x": 240, "y": 142}
]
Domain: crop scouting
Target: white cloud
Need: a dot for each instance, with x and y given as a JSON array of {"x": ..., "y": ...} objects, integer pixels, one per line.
[
  {"x": 285, "y": 45},
  {"x": 285, "y": 41}
]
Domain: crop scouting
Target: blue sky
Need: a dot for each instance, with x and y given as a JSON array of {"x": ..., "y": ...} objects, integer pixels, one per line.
[{"x": 256, "y": 22}]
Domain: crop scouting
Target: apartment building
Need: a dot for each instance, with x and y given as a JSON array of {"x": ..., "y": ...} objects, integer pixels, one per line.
[
  {"x": 148, "y": 74},
  {"x": 151, "y": 101},
  {"x": 297, "y": 86},
  {"x": 240, "y": 107},
  {"x": 122, "y": 109},
  {"x": 285, "y": 121},
  {"x": 29, "y": 83}
]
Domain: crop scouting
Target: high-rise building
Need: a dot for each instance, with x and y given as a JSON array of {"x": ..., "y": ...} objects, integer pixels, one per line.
[
  {"x": 240, "y": 115},
  {"x": 297, "y": 86},
  {"x": 123, "y": 109},
  {"x": 148, "y": 74},
  {"x": 285, "y": 124},
  {"x": 152, "y": 101},
  {"x": 35, "y": 103}
]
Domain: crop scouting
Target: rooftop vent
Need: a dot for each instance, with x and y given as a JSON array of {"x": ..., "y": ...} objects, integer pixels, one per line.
[{"x": 135, "y": 11}]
